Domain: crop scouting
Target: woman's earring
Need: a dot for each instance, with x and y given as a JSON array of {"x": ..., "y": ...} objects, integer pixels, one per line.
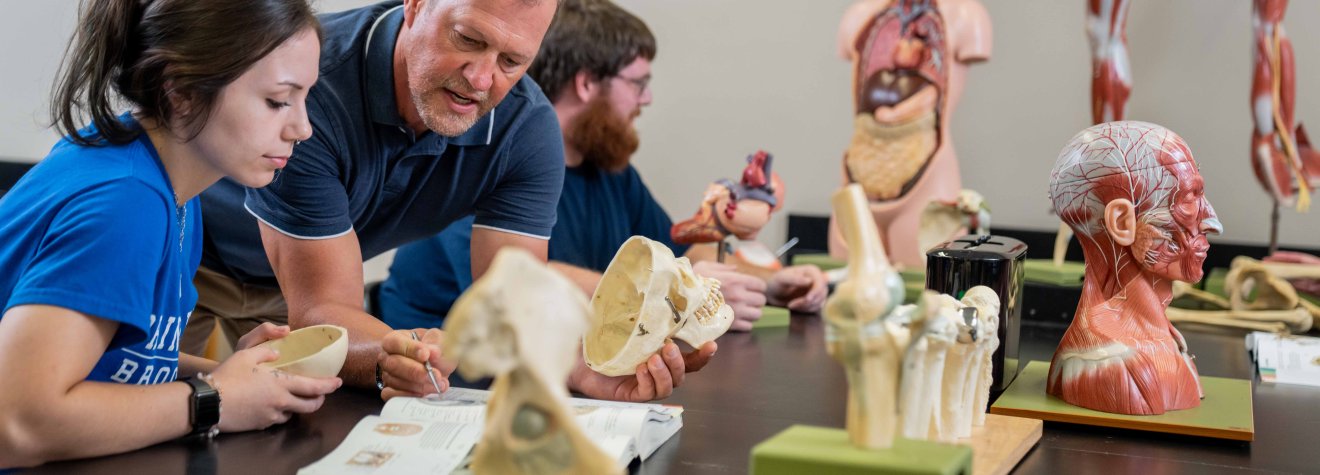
[{"x": 296, "y": 142}]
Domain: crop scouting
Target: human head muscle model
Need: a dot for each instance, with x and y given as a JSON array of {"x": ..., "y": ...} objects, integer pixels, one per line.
[{"x": 1132, "y": 194}]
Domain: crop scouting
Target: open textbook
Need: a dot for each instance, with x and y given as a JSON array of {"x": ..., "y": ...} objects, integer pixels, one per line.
[{"x": 436, "y": 434}]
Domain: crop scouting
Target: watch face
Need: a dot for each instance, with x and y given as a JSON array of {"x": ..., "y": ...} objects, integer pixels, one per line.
[{"x": 204, "y": 410}]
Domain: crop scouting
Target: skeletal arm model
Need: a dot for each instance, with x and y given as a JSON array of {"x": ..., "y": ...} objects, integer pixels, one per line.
[
  {"x": 740, "y": 209},
  {"x": 519, "y": 323},
  {"x": 1132, "y": 194},
  {"x": 1283, "y": 159},
  {"x": 1111, "y": 77}
]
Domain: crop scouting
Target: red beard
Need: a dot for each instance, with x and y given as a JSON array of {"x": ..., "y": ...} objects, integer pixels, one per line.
[{"x": 602, "y": 137}]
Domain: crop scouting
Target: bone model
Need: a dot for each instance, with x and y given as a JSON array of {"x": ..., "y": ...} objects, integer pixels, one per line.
[
  {"x": 910, "y": 60},
  {"x": 519, "y": 323},
  {"x": 645, "y": 297},
  {"x": 1132, "y": 194},
  {"x": 920, "y": 371}
]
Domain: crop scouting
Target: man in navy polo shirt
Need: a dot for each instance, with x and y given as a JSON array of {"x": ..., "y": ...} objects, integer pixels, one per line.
[
  {"x": 595, "y": 66},
  {"x": 408, "y": 138}
]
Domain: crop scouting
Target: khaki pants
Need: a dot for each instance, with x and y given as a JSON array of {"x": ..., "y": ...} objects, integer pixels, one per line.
[{"x": 235, "y": 307}]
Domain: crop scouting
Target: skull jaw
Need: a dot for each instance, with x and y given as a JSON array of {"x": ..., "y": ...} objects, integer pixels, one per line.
[{"x": 641, "y": 346}]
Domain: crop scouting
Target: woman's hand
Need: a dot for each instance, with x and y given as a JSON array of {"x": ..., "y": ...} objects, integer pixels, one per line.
[{"x": 254, "y": 397}]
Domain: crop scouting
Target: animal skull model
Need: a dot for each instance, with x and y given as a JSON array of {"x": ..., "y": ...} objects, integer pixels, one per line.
[
  {"x": 645, "y": 297},
  {"x": 518, "y": 323}
]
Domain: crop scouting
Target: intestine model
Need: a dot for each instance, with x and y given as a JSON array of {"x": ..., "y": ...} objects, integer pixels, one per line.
[
  {"x": 1285, "y": 162},
  {"x": 910, "y": 60},
  {"x": 1132, "y": 194},
  {"x": 920, "y": 371}
]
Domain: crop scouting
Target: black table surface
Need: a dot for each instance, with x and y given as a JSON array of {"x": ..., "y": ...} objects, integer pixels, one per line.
[{"x": 762, "y": 382}]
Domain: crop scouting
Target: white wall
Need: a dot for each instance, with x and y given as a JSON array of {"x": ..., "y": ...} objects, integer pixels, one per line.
[{"x": 736, "y": 75}]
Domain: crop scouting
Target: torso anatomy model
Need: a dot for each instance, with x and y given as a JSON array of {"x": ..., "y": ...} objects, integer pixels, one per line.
[{"x": 910, "y": 62}]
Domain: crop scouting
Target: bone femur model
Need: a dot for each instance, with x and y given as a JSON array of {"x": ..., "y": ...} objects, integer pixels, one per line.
[
  {"x": 645, "y": 297},
  {"x": 920, "y": 371},
  {"x": 519, "y": 323},
  {"x": 1132, "y": 194}
]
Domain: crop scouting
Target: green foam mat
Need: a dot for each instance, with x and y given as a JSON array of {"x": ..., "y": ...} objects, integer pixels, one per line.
[
  {"x": 772, "y": 317},
  {"x": 1043, "y": 271}
]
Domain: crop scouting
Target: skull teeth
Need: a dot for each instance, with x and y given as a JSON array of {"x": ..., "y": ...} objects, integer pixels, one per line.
[{"x": 705, "y": 315}]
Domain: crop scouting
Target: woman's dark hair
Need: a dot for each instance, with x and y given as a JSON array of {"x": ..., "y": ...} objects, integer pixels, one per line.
[
  {"x": 148, "y": 51},
  {"x": 596, "y": 36}
]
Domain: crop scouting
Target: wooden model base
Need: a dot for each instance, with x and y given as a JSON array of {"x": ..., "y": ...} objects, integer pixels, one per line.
[
  {"x": 1002, "y": 442},
  {"x": 807, "y": 449},
  {"x": 1225, "y": 413}
]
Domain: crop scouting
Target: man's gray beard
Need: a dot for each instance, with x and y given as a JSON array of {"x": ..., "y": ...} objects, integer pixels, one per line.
[
  {"x": 884, "y": 159},
  {"x": 444, "y": 122}
]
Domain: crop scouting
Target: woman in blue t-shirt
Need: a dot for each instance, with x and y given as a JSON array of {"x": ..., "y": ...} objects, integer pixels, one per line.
[{"x": 99, "y": 242}]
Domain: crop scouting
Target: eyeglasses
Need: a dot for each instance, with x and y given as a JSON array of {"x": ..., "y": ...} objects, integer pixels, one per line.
[{"x": 642, "y": 84}]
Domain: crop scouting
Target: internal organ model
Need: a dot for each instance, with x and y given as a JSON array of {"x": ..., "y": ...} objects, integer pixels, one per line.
[
  {"x": 1111, "y": 76},
  {"x": 740, "y": 209},
  {"x": 910, "y": 61},
  {"x": 919, "y": 371},
  {"x": 1132, "y": 194},
  {"x": 519, "y": 323},
  {"x": 1284, "y": 160}
]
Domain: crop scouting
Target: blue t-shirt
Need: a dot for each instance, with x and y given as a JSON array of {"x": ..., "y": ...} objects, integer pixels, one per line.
[
  {"x": 95, "y": 230},
  {"x": 598, "y": 211},
  {"x": 363, "y": 170}
]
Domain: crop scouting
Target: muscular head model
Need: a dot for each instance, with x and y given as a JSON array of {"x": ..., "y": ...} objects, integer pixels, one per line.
[{"x": 1132, "y": 194}]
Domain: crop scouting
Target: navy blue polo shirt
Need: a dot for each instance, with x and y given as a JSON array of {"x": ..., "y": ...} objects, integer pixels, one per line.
[
  {"x": 598, "y": 211},
  {"x": 363, "y": 170}
]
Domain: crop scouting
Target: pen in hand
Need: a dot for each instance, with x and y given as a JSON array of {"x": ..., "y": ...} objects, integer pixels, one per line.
[{"x": 430, "y": 373}]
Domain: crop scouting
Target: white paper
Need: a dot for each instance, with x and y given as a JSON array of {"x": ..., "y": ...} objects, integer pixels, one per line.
[
  {"x": 1287, "y": 359},
  {"x": 381, "y": 446}
]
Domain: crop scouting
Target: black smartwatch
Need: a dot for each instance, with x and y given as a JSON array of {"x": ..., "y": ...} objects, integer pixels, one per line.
[{"x": 203, "y": 408}]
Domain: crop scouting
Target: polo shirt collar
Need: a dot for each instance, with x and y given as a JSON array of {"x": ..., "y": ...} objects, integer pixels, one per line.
[{"x": 380, "y": 84}]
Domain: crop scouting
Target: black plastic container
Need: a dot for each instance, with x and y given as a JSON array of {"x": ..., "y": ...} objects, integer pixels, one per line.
[{"x": 995, "y": 262}]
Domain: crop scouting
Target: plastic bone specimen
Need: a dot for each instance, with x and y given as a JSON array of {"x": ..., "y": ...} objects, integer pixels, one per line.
[
  {"x": 519, "y": 323},
  {"x": 968, "y": 368},
  {"x": 1132, "y": 194},
  {"x": 1284, "y": 161},
  {"x": 1275, "y": 306},
  {"x": 645, "y": 297},
  {"x": 942, "y": 219},
  {"x": 910, "y": 60},
  {"x": 947, "y": 372},
  {"x": 863, "y": 332},
  {"x": 933, "y": 332},
  {"x": 740, "y": 209}
]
